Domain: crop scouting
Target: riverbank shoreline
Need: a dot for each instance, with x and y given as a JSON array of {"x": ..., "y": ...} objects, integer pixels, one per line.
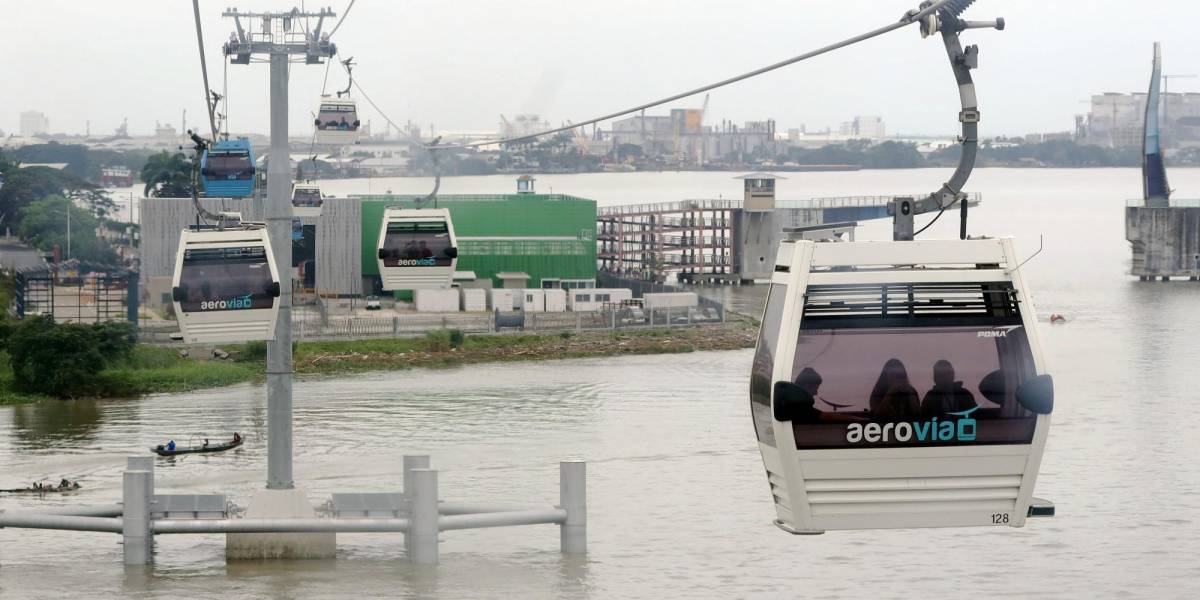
[{"x": 157, "y": 369}]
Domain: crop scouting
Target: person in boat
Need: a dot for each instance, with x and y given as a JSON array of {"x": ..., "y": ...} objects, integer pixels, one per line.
[
  {"x": 171, "y": 445},
  {"x": 947, "y": 395},
  {"x": 236, "y": 437},
  {"x": 893, "y": 398},
  {"x": 205, "y": 443}
]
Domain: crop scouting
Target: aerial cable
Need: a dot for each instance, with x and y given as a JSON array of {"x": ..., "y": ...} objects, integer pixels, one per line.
[
  {"x": 431, "y": 147},
  {"x": 312, "y": 145},
  {"x": 343, "y": 19},
  {"x": 212, "y": 120},
  {"x": 910, "y": 17}
]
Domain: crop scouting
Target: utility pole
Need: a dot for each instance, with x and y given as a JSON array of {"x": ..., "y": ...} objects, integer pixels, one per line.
[{"x": 281, "y": 36}]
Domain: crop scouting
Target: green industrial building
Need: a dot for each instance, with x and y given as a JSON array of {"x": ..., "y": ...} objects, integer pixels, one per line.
[{"x": 549, "y": 237}]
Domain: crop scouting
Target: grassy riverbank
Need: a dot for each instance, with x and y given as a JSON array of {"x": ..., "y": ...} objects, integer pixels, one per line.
[{"x": 157, "y": 369}]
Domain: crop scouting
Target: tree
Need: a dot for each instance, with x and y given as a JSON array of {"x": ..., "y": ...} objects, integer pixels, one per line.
[
  {"x": 892, "y": 155},
  {"x": 25, "y": 185},
  {"x": 82, "y": 162},
  {"x": 44, "y": 225},
  {"x": 65, "y": 360},
  {"x": 168, "y": 176}
]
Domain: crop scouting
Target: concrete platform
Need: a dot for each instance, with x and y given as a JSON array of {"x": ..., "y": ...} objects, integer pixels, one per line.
[{"x": 280, "y": 504}]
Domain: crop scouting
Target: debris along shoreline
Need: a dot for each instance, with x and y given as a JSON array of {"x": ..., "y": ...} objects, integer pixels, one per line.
[{"x": 439, "y": 349}]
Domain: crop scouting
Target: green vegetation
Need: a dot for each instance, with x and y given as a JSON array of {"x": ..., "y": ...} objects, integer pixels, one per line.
[
  {"x": 64, "y": 360},
  {"x": 82, "y": 162},
  {"x": 34, "y": 202},
  {"x": 44, "y": 226},
  {"x": 105, "y": 365},
  {"x": 1054, "y": 153},
  {"x": 168, "y": 176}
]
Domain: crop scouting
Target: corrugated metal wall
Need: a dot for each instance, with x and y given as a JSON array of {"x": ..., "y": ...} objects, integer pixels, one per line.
[
  {"x": 339, "y": 238},
  {"x": 163, "y": 218}
]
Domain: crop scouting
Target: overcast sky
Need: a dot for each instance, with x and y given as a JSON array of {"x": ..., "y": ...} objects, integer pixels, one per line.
[{"x": 458, "y": 64}]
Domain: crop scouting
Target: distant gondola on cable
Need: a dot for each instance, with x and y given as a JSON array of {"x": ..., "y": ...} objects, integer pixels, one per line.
[
  {"x": 337, "y": 121},
  {"x": 337, "y": 118},
  {"x": 227, "y": 169},
  {"x": 306, "y": 199},
  {"x": 417, "y": 249},
  {"x": 226, "y": 284}
]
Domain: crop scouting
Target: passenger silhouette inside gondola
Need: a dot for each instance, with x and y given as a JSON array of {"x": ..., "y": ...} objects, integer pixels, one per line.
[
  {"x": 811, "y": 381},
  {"x": 894, "y": 398},
  {"x": 424, "y": 249},
  {"x": 411, "y": 250},
  {"x": 947, "y": 395}
]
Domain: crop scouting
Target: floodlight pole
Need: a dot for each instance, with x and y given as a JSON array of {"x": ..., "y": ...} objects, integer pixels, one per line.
[{"x": 281, "y": 37}]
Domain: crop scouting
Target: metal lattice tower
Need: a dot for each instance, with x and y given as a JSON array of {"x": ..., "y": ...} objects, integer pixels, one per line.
[{"x": 283, "y": 37}]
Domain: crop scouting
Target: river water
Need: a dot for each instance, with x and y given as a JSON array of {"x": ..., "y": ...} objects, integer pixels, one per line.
[{"x": 678, "y": 505}]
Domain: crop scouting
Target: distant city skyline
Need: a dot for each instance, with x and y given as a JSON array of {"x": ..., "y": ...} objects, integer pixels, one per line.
[{"x": 459, "y": 64}]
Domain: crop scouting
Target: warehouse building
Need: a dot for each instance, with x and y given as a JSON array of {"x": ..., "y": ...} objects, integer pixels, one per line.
[{"x": 504, "y": 240}]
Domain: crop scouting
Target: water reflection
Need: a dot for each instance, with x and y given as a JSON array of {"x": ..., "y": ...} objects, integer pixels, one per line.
[{"x": 55, "y": 422}]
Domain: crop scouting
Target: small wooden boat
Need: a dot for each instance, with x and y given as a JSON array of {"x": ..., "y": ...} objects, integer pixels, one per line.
[{"x": 162, "y": 450}]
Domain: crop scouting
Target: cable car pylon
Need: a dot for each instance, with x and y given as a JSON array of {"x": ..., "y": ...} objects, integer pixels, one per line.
[{"x": 281, "y": 37}]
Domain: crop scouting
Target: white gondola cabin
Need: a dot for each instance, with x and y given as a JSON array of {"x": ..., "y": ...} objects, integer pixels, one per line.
[
  {"x": 226, "y": 286},
  {"x": 900, "y": 384},
  {"x": 337, "y": 121},
  {"x": 306, "y": 200},
  {"x": 417, "y": 249}
]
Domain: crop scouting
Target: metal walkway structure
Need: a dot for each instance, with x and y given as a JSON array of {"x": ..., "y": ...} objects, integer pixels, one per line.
[{"x": 706, "y": 241}]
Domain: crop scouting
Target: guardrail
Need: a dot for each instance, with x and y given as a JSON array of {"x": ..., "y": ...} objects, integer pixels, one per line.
[{"x": 424, "y": 516}]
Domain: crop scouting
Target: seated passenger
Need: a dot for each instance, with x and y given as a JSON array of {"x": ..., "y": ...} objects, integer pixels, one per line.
[
  {"x": 894, "y": 398},
  {"x": 947, "y": 394},
  {"x": 411, "y": 251},
  {"x": 424, "y": 249},
  {"x": 171, "y": 445},
  {"x": 811, "y": 381}
]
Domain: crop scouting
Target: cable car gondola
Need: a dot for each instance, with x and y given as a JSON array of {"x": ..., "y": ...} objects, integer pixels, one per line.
[
  {"x": 417, "y": 249},
  {"x": 306, "y": 200},
  {"x": 899, "y": 384},
  {"x": 226, "y": 285},
  {"x": 227, "y": 169},
  {"x": 337, "y": 121}
]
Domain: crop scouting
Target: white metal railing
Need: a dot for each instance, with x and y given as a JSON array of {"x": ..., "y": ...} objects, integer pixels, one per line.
[
  {"x": 425, "y": 516},
  {"x": 723, "y": 204}
]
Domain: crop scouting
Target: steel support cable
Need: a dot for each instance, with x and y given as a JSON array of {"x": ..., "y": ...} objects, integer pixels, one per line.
[
  {"x": 312, "y": 146},
  {"x": 343, "y": 19},
  {"x": 212, "y": 121},
  {"x": 430, "y": 148},
  {"x": 909, "y": 18}
]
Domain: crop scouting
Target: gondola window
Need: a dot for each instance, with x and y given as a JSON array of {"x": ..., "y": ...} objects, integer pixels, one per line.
[
  {"x": 764, "y": 362},
  {"x": 417, "y": 244},
  {"x": 216, "y": 279},
  {"x": 229, "y": 166}
]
